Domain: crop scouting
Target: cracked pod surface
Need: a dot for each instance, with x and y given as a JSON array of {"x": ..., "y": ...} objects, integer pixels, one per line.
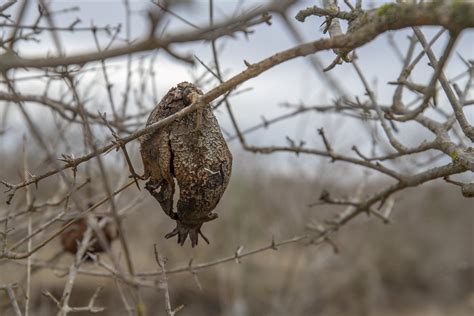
[{"x": 190, "y": 153}]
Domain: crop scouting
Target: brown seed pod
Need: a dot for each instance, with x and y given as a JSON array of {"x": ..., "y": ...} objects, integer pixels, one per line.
[
  {"x": 193, "y": 151},
  {"x": 72, "y": 237}
]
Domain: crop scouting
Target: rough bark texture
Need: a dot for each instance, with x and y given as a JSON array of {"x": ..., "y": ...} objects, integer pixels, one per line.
[{"x": 193, "y": 151}]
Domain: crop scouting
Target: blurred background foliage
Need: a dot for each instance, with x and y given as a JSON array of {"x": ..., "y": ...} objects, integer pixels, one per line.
[{"x": 421, "y": 263}]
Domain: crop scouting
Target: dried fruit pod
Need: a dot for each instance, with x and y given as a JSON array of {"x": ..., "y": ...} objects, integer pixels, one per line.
[
  {"x": 72, "y": 237},
  {"x": 192, "y": 151}
]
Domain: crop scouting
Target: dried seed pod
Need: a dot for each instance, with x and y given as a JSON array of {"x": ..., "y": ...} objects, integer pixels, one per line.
[
  {"x": 72, "y": 237},
  {"x": 193, "y": 151}
]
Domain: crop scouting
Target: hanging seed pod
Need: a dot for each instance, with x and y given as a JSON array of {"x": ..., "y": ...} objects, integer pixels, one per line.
[
  {"x": 72, "y": 237},
  {"x": 192, "y": 151}
]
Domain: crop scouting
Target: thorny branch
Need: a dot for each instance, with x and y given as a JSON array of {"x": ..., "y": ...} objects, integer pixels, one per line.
[{"x": 68, "y": 98}]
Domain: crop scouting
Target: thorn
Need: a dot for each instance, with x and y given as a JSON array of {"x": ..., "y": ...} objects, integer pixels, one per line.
[
  {"x": 273, "y": 245},
  {"x": 237, "y": 254}
]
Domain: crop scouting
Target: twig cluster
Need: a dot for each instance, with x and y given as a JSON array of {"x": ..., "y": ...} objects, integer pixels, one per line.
[{"x": 66, "y": 96}]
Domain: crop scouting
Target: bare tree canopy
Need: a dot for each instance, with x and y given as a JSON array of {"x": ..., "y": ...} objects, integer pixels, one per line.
[{"x": 75, "y": 97}]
